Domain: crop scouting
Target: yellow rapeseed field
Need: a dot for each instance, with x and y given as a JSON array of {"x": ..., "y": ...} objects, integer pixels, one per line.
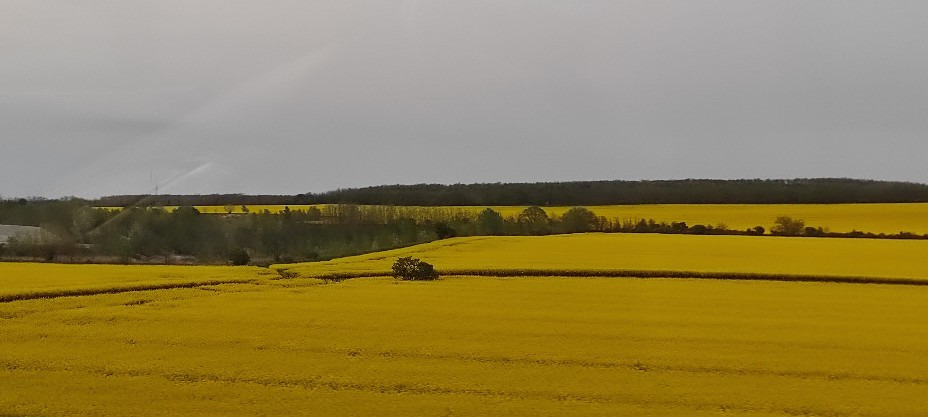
[
  {"x": 237, "y": 209},
  {"x": 471, "y": 346},
  {"x": 875, "y": 218},
  {"x": 221, "y": 341},
  {"x": 19, "y": 280},
  {"x": 826, "y": 257}
]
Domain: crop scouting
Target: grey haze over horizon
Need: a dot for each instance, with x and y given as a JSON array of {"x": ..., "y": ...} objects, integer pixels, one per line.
[{"x": 286, "y": 97}]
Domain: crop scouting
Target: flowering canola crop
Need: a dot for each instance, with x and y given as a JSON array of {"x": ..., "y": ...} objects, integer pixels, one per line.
[
  {"x": 31, "y": 280},
  {"x": 471, "y": 346},
  {"x": 600, "y": 252},
  {"x": 247, "y": 341}
]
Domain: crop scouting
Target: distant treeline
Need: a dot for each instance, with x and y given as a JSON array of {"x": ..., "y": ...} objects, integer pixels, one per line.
[
  {"x": 584, "y": 193},
  {"x": 74, "y": 231}
]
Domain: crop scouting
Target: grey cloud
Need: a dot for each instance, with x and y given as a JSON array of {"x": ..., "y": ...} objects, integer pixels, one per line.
[{"x": 296, "y": 96}]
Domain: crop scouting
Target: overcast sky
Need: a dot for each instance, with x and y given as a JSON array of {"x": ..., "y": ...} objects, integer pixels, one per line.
[{"x": 111, "y": 97}]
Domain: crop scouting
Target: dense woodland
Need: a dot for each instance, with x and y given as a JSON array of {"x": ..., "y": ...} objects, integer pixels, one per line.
[{"x": 582, "y": 193}]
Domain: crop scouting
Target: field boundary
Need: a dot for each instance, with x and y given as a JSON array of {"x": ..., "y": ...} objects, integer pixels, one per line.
[
  {"x": 644, "y": 274},
  {"x": 6, "y": 298}
]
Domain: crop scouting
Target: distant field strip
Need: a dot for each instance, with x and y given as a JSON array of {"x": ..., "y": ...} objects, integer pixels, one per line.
[
  {"x": 651, "y": 255},
  {"x": 23, "y": 281},
  {"x": 876, "y": 218},
  {"x": 115, "y": 289}
]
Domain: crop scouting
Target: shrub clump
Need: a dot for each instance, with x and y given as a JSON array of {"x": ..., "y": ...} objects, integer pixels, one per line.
[
  {"x": 239, "y": 257},
  {"x": 413, "y": 269},
  {"x": 787, "y": 226}
]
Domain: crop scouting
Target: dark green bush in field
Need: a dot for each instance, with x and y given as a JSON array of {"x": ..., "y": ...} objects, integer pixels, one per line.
[
  {"x": 813, "y": 231},
  {"x": 490, "y": 222},
  {"x": 444, "y": 231},
  {"x": 535, "y": 221},
  {"x": 578, "y": 219},
  {"x": 756, "y": 231},
  {"x": 239, "y": 257},
  {"x": 412, "y": 269}
]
